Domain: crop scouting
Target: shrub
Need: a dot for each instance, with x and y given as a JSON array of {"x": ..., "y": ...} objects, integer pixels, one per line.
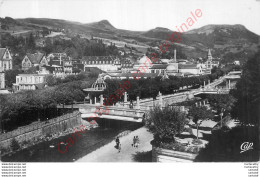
[
  {"x": 14, "y": 145},
  {"x": 3, "y": 150},
  {"x": 196, "y": 141}
]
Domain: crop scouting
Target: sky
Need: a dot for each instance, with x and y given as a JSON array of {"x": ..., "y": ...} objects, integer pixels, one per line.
[{"x": 139, "y": 15}]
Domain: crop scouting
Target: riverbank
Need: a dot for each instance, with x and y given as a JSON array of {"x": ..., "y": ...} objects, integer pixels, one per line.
[
  {"x": 91, "y": 140},
  {"x": 109, "y": 153},
  {"x": 44, "y": 138}
]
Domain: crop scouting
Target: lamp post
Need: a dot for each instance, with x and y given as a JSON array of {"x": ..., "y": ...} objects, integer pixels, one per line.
[{"x": 221, "y": 115}]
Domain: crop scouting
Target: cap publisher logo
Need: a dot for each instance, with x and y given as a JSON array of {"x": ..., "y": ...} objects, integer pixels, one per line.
[{"x": 246, "y": 146}]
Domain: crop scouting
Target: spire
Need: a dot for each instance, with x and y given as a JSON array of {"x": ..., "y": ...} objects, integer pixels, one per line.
[
  {"x": 209, "y": 55},
  {"x": 209, "y": 61}
]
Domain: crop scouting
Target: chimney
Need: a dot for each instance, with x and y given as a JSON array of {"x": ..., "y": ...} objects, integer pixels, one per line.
[{"x": 175, "y": 56}]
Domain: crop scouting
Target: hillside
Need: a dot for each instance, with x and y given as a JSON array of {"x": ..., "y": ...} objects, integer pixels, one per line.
[{"x": 226, "y": 41}]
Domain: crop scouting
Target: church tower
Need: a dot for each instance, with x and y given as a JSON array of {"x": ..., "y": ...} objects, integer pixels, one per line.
[{"x": 209, "y": 60}]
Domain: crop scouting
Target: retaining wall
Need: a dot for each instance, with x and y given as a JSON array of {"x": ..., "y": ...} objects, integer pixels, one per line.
[
  {"x": 166, "y": 155},
  {"x": 35, "y": 131}
]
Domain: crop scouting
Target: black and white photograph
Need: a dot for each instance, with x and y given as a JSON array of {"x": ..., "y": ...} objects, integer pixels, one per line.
[{"x": 126, "y": 82}]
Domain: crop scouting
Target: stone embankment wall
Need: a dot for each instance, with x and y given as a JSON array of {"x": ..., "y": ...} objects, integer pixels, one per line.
[
  {"x": 166, "y": 155},
  {"x": 41, "y": 130}
]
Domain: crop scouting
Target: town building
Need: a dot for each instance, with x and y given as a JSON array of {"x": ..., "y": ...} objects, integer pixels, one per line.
[
  {"x": 122, "y": 76},
  {"x": 5, "y": 60},
  {"x": 56, "y": 71},
  {"x": 126, "y": 66},
  {"x": 206, "y": 68},
  {"x": 182, "y": 61},
  {"x": 215, "y": 63},
  {"x": 190, "y": 69},
  {"x": 56, "y": 56},
  {"x": 2, "y": 80},
  {"x": 143, "y": 65},
  {"x": 159, "y": 68},
  {"x": 105, "y": 63},
  {"x": 67, "y": 65},
  {"x": 166, "y": 66},
  {"x": 6, "y": 63},
  {"x": 98, "y": 86},
  {"x": 33, "y": 60},
  {"x": 29, "y": 82},
  {"x": 172, "y": 69}
]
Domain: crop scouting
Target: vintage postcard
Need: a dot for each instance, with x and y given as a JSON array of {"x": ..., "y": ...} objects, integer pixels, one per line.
[{"x": 136, "y": 81}]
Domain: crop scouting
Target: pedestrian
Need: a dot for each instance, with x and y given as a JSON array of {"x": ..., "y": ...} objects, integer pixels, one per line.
[
  {"x": 134, "y": 141},
  {"x": 117, "y": 142},
  {"x": 137, "y": 141},
  {"x": 131, "y": 104},
  {"x": 119, "y": 148}
]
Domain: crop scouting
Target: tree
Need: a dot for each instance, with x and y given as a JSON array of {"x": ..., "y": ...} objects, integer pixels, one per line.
[
  {"x": 221, "y": 103},
  {"x": 10, "y": 76},
  {"x": 199, "y": 114},
  {"x": 247, "y": 93},
  {"x": 31, "y": 42},
  {"x": 3, "y": 109},
  {"x": 14, "y": 145},
  {"x": 165, "y": 123},
  {"x": 51, "y": 80}
]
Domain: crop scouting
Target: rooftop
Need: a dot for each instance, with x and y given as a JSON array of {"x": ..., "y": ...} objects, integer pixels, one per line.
[
  {"x": 98, "y": 58},
  {"x": 189, "y": 66},
  {"x": 35, "y": 58},
  {"x": 159, "y": 66},
  {"x": 2, "y": 52}
]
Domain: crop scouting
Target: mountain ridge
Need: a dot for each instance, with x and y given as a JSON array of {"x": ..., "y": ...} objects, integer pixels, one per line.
[{"x": 224, "y": 39}]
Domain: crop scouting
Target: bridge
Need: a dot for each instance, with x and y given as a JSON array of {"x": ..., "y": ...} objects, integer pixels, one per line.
[
  {"x": 113, "y": 112},
  {"x": 122, "y": 111}
]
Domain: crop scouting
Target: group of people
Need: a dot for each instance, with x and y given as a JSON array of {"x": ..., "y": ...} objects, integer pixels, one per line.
[{"x": 136, "y": 143}]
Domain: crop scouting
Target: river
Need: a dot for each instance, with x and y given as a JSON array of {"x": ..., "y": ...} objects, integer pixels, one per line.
[{"x": 89, "y": 141}]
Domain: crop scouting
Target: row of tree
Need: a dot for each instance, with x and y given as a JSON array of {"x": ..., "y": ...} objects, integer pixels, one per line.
[
  {"x": 24, "y": 107},
  {"x": 150, "y": 87}
]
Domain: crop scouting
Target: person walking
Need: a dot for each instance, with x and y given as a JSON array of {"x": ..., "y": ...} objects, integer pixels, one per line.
[
  {"x": 117, "y": 142},
  {"x": 119, "y": 148},
  {"x": 131, "y": 104},
  {"x": 137, "y": 141},
  {"x": 134, "y": 141}
]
